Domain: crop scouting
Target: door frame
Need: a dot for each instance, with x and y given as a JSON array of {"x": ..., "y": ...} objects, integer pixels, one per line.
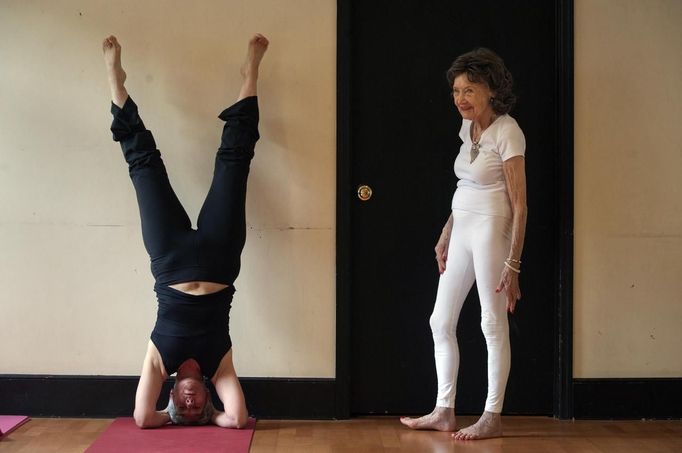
[{"x": 563, "y": 169}]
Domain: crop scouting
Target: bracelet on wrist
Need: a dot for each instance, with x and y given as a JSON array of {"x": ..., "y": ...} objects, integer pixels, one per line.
[{"x": 518, "y": 271}]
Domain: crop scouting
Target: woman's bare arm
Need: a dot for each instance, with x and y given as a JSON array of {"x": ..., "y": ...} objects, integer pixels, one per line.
[{"x": 515, "y": 178}]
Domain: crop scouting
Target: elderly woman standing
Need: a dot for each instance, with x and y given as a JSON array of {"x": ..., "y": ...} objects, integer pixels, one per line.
[{"x": 483, "y": 238}]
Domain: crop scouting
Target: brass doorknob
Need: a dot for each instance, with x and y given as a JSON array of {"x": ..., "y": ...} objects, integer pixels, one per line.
[{"x": 364, "y": 192}]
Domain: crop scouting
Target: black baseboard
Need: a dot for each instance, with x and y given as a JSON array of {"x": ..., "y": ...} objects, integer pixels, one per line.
[
  {"x": 291, "y": 398},
  {"x": 299, "y": 398},
  {"x": 114, "y": 396},
  {"x": 651, "y": 398}
]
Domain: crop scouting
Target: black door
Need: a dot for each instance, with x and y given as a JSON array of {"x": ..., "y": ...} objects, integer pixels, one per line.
[{"x": 402, "y": 142}]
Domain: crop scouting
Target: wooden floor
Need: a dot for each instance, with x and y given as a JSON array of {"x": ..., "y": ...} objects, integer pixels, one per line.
[{"x": 385, "y": 434}]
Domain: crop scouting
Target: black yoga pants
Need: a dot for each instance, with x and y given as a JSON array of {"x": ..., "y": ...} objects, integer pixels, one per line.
[{"x": 179, "y": 253}]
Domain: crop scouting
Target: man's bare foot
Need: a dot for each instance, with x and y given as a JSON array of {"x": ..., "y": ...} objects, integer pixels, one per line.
[
  {"x": 256, "y": 49},
  {"x": 489, "y": 425},
  {"x": 249, "y": 70},
  {"x": 115, "y": 72},
  {"x": 441, "y": 419}
]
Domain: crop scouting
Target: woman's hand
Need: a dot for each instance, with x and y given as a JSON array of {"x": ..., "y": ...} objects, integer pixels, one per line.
[
  {"x": 442, "y": 249},
  {"x": 509, "y": 283},
  {"x": 515, "y": 179}
]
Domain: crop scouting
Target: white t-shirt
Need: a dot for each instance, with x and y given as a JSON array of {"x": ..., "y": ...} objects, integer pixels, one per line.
[{"x": 481, "y": 187}]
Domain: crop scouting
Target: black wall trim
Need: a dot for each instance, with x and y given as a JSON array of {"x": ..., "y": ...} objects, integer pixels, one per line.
[
  {"x": 114, "y": 396},
  {"x": 290, "y": 398},
  {"x": 343, "y": 210},
  {"x": 563, "y": 368},
  {"x": 282, "y": 398},
  {"x": 659, "y": 398}
]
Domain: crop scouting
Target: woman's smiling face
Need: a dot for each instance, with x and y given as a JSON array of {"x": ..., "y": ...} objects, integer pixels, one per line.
[{"x": 472, "y": 99}]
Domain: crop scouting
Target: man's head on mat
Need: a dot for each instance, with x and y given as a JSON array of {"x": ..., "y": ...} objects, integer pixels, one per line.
[{"x": 190, "y": 402}]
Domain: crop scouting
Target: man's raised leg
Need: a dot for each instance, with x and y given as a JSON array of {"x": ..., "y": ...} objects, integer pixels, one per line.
[
  {"x": 222, "y": 221},
  {"x": 163, "y": 217}
]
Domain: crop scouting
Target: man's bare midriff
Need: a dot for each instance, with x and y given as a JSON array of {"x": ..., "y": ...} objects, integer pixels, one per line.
[{"x": 199, "y": 288}]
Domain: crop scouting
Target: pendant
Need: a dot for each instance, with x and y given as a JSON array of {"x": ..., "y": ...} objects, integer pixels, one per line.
[{"x": 474, "y": 152}]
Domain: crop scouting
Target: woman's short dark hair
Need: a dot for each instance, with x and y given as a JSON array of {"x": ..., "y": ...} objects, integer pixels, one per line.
[{"x": 485, "y": 66}]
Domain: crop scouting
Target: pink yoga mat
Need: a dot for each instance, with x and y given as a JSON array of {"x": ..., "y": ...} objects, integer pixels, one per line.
[
  {"x": 9, "y": 423},
  {"x": 123, "y": 435}
]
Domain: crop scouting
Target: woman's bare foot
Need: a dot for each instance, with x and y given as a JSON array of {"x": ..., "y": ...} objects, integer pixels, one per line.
[
  {"x": 249, "y": 70},
  {"x": 489, "y": 425},
  {"x": 441, "y": 419},
  {"x": 115, "y": 72}
]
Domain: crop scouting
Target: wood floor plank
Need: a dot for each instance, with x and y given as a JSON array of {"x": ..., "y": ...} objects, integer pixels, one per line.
[{"x": 386, "y": 434}]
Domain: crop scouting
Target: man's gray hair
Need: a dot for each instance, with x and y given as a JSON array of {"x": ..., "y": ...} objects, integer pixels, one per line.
[{"x": 204, "y": 419}]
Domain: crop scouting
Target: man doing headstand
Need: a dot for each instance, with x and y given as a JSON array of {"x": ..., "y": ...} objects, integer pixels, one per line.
[{"x": 194, "y": 270}]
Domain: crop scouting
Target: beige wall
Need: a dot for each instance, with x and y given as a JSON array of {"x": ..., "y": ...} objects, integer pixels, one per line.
[
  {"x": 76, "y": 293},
  {"x": 628, "y": 195},
  {"x": 76, "y": 290}
]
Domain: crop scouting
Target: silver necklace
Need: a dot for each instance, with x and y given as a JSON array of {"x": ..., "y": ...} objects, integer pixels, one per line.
[{"x": 475, "y": 146}]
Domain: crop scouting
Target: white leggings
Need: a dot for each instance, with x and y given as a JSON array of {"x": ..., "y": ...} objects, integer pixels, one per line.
[{"x": 479, "y": 244}]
